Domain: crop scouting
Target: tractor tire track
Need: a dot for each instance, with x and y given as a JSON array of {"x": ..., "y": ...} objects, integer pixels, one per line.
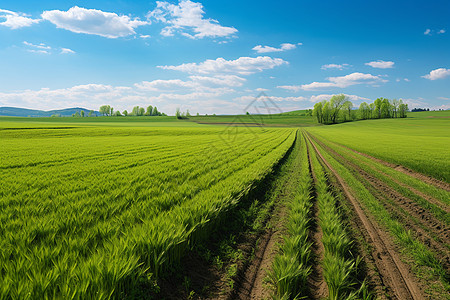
[
  {"x": 428, "y": 226},
  {"x": 429, "y": 198},
  {"x": 394, "y": 273},
  {"x": 318, "y": 288},
  {"x": 427, "y": 179}
]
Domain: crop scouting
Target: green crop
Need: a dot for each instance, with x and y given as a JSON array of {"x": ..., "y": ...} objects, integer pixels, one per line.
[
  {"x": 95, "y": 211},
  {"x": 291, "y": 268}
]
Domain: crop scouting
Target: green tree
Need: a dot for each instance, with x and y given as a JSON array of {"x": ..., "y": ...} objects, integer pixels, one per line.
[
  {"x": 317, "y": 112},
  {"x": 395, "y": 103},
  {"x": 149, "y": 111},
  {"x": 91, "y": 112},
  {"x": 135, "y": 111},
  {"x": 111, "y": 111},
  {"x": 348, "y": 105},
  {"x": 117, "y": 114},
  {"x": 104, "y": 109},
  {"x": 141, "y": 111},
  {"x": 156, "y": 112},
  {"x": 336, "y": 104},
  {"x": 377, "y": 104},
  {"x": 402, "y": 109},
  {"x": 82, "y": 113},
  {"x": 364, "y": 111},
  {"x": 326, "y": 113},
  {"x": 372, "y": 111},
  {"x": 125, "y": 113}
]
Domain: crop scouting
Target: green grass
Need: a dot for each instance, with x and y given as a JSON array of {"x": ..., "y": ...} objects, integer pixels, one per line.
[
  {"x": 93, "y": 211},
  {"x": 418, "y": 143}
]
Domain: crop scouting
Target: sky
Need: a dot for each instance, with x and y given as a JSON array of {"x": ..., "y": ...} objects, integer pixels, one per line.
[{"x": 218, "y": 56}]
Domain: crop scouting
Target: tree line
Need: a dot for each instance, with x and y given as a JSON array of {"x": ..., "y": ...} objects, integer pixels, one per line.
[
  {"x": 107, "y": 110},
  {"x": 340, "y": 109}
]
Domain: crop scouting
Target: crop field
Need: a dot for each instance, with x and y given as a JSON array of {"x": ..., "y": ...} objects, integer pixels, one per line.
[
  {"x": 107, "y": 209},
  {"x": 88, "y": 212}
]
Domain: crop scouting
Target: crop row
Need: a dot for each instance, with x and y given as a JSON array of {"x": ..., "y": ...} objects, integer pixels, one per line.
[
  {"x": 339, "y": 265},
  {"x": 387, "y": 195},
  {"x": 291, "y": 267}
]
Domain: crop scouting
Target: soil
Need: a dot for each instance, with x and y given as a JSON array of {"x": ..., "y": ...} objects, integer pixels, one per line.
[
  {"x": 251, "y": 282},
  {"x": 396, "y": 276},
  {"x": 317, "y": 286}
]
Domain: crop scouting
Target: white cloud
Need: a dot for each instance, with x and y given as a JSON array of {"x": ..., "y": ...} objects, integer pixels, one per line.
[
  {"x": 218, "y": 84},
  {"x": 67, "y": 51},
  {"x": 292, "y": 88},
  {"x": 343, "y": 81},
  {"x": 261, "y": 90},
  {"x": 444, "y": 98},
  {"x": 431, "y": 32},
  {"x": 381, "y": 64},
  {"x": 45, "y": 49},
  {"x": 188, "y": 16},
  {"x": 437, "y": 74},
  {"x": 242, "y": 65},
  {"x": 321, "y": 97},
  {"x": 93, "y": 21},
  {"x": 38, "y": 48},
  {"x": 283, "y": 47},
  {"x": 334, "y": 66},
  {"x": 16, "y": 20}
]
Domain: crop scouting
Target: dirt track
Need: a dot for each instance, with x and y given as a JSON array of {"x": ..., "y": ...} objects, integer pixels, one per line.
[{"x": 400, "y": 283}]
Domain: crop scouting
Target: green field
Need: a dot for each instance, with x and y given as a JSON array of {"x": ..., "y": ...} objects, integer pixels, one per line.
[
  {"x": 420, "y": 142},
  {"x": 109, "y": 207}
]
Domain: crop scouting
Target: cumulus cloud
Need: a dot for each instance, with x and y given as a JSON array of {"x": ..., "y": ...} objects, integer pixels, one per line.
[
  {"x": 292, "y": 88},
  {"x": 437, "y": 74},
  {"x": 187, "y": 18},
  {"x": 93, "y": 21},
  {"x": 218, "y": 84},
  {"x": 67, "y": 51},
  {"x": 334, "y": 66},
  {"x": 92, "y": 96},
  {"x": 431, "y": 32},
  {"x": 283, "y": 47},
  {"x": 242, "y": 65},
  {"x": 16, "y": 20},
  {"x": 343, "y": 81},
  {"x": 381, "y": 64},
  {"x": 321, "y": 97}
]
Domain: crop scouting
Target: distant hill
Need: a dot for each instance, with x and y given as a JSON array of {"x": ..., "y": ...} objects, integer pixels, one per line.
[{"x": 24, "y": 112}]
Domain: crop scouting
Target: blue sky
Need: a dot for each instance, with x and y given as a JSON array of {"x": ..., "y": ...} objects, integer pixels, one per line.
[{"x": 209, "y": 57}]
